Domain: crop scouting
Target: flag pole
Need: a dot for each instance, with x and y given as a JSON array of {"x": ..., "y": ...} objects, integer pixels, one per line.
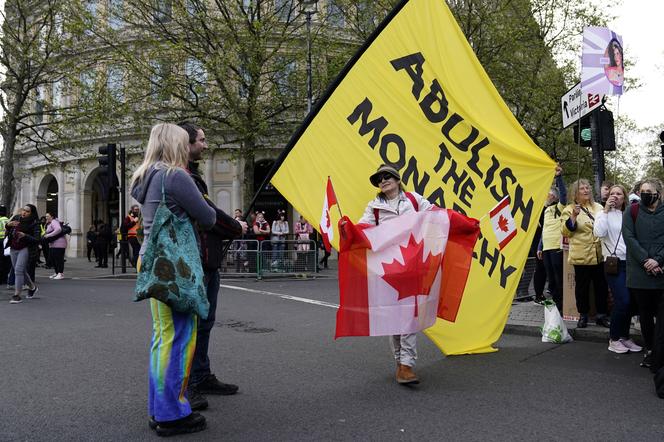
[{"x": 335, "y": 197}]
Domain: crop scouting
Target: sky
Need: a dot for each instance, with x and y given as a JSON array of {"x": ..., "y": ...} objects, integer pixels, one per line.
[{"x": 640, "y": 23}]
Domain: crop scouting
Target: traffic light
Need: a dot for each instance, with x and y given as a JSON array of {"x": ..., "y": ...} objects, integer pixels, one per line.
[
  {"x": 582, "y": 127},
  {"x": 605, "y": 131},
  {"x": 107, "y": 162},
  {"x": 607, "y": 139}
]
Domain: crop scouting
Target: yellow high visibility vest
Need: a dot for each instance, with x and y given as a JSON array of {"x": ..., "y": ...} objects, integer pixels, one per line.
[{"x": 3, "y": 222}]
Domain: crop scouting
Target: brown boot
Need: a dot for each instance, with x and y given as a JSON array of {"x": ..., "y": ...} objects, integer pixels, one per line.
[{"x": 406, "y": 375}]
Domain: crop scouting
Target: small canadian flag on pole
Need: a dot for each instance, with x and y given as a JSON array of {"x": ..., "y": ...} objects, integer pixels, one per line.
[
  {"x": 502, "y": 222},
  {"x": 326, "y": 229}
]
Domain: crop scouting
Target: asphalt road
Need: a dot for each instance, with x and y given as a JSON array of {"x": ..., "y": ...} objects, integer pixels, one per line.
[{"x": 74, "y": 367}]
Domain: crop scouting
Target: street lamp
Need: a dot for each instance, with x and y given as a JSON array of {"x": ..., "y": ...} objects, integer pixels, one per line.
[{"x": 309, "y": 8}]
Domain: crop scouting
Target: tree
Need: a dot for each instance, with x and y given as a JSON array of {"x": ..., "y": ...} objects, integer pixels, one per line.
[
  {"x": 38, "y": 72},
  {"x": 235, "y": 66}
]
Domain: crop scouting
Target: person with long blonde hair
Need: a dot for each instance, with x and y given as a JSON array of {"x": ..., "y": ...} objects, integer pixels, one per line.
[
  {"x": 585, "y": 252},
  {"x": 173, "y": 333}
]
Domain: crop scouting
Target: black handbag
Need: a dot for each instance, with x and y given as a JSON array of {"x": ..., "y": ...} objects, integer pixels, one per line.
[{"x": 611, "y": 261}]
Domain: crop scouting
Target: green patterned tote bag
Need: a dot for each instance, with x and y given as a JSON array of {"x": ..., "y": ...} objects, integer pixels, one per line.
[{"x": 171, "y": 269}]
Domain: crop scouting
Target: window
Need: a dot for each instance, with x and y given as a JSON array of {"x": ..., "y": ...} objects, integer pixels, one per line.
[
  {"x": 115, "y": 20},
  {"x": 335, "y": 15},
  {"x": 285, "y": 79},
  {"x": 114, "y": 82},
  {"x": 39, "y": 104},
  {"x": 159, "y": 77},
  {"x": 163, "y": 11},
  {"x": 284, "y": 9},
  {"x": 87, "y": 80},
  {"x": 91, "y": 15},
  {"x": 245, "y": 80},
  {"x": 196, "y": 77},
  {"x": 195, "y": 6},
  {"x": 57, "y": 94}
]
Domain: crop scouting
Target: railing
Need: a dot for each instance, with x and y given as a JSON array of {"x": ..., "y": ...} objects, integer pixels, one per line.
[{"x": 270, "y": 258}]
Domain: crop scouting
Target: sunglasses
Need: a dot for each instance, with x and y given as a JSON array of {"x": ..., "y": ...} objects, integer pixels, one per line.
[{"x": 385, "y": 176}]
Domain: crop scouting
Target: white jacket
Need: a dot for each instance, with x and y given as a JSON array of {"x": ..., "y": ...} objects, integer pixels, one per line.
[
  {"x": 608, "y": 227},
  {"x": 385, "y": 212}
]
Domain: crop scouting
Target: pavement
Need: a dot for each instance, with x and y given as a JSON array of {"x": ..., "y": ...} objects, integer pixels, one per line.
[{"x": 526, "y": 318}]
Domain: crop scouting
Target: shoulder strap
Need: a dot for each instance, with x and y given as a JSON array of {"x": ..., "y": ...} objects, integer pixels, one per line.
[
  {"x": 588, "y": 213},
  {"x": 163, "y": 193},
  {"x": 413, "y": 201},
  {"x": 375, "y": 211}
]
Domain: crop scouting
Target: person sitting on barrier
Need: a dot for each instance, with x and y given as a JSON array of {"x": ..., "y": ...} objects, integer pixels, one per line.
[{"x": 279, "y": 233}]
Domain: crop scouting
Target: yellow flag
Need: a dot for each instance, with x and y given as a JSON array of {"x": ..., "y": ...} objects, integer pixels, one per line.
[{"x": 416, "y": 97}]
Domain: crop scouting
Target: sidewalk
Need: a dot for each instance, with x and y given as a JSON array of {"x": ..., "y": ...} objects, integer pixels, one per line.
[
  {"x": 81, "y": 268},
  {"x": 525, "y": 318}
]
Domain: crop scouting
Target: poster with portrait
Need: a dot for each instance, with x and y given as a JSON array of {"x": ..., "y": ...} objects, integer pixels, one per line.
[{"x": 602, "y": 70}]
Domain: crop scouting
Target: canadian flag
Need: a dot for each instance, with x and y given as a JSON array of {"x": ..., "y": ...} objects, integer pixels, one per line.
[
  {"x": 502, "y": 222},
  {"x": 326, "y": 230},
  {"x": 399, "y": 276}
]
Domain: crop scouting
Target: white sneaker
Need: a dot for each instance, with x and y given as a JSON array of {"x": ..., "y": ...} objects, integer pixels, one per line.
[
  {"x": 59, "y": 276},
  {"x": 53, "y": 276},
  {"x": 631, "y": 346},
  {"x": 617, "y": 346}
]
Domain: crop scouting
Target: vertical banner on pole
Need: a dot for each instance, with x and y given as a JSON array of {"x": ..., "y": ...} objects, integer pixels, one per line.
[{"x": 602, "y": 70}]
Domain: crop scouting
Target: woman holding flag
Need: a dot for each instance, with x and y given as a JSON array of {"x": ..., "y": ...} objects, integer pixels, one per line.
[{"x": 392, "y": 201}]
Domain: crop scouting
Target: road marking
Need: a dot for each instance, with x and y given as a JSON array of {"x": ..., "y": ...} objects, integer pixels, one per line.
[{"x": 282, "y": 296}]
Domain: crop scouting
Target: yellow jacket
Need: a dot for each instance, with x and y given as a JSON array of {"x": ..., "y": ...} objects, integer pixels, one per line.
[{"x": 584, "y": 247}]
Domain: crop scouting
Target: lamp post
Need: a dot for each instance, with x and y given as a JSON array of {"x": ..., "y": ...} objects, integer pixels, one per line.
[{"x": 309, "y": 8}]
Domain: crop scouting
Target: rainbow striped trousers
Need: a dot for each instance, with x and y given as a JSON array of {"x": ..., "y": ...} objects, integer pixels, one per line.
[{"x": 171, "y": 355}]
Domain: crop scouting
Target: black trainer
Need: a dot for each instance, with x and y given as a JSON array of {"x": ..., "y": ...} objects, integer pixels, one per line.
[
  {"x": 211, "y": 385},
  {"x": 197, "y": 401},
  {"x": 582, "y": 322},
  {"x": 647, "y": 360},
  {"x": 603, "y": 321},
  {"x": 193, "y": 423}
]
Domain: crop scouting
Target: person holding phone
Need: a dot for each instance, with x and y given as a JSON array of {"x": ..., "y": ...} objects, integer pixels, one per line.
[
  {"x": 585, "y": 253},
  {"x": 608, "y": 227}
]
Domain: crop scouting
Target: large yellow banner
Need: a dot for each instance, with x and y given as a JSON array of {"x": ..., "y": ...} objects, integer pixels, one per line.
[{"x": 416, "y": 97}]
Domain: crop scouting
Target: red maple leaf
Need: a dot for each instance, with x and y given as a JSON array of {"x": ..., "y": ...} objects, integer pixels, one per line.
[
  {"x": 416, "y": 275},
  {"x": 503, "y": 224}
]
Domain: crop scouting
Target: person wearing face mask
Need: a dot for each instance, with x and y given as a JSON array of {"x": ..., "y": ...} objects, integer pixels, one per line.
[
  {"x": 643, "y": 230},
  {"x": 585, "y": 253},
  {"x": 549, "y": 250},
  {"x": 608, "y": 227}
]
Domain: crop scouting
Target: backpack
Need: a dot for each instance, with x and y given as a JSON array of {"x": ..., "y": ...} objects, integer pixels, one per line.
[
  {"x": 634, "y": 211},
  {"x": 412, "y": 200},
  {"x": 66, "y": 229}
]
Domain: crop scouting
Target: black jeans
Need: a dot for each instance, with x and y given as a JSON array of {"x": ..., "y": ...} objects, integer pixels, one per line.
[
  {"x": 583, "y": 276},
  {"x": 553, "y": 263},
  {"x": 135, "y": 249},
  {"x": 539, "y": 278},
  {"x": 651, "y": 308},
  {"x": 200, "y": 367},
  {"x": 57, "y": 256},
  {"x": 101, "y": 250}
]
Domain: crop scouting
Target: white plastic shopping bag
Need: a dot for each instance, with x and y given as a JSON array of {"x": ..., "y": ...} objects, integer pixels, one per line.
[{"x": 554, "y": 329}]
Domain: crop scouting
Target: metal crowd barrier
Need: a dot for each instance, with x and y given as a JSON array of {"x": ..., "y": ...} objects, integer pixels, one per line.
[
  {"x": 241, "y": 259},
  {"x": 270, "y": 258}
]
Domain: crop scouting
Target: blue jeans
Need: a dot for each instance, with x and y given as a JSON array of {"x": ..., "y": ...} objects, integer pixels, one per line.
[
  {"x": 200, "y": 368},
  {"x": 620, "y": 314}
]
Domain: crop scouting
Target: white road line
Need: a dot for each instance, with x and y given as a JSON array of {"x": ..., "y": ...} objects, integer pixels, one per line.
[{"x": 282, "y": 296}]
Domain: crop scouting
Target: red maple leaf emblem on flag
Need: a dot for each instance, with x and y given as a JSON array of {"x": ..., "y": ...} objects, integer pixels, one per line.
[
  {"x": 503, "y": 224},
  {"x": 416, "y": 275}
]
